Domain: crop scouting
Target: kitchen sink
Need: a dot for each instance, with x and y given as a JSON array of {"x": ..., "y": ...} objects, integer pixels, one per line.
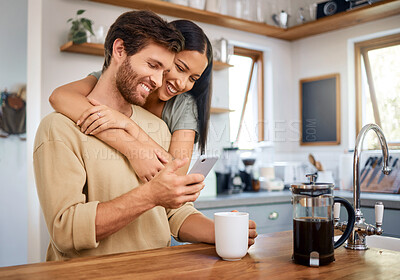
[{"x": 383, "y": 242}]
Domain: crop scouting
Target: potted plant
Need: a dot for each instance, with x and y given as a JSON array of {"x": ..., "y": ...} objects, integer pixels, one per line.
[{"x": 79, "y": 29}]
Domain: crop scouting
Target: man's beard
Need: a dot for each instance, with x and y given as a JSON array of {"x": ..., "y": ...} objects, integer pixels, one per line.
[{"x": 127, "y": 82}]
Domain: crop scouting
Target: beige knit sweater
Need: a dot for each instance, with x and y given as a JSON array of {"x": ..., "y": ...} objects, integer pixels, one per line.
[{"x": 74, "y": 172}]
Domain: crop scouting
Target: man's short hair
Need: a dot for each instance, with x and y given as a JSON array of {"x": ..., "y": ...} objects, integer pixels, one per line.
[{"x": 138, "y": 29}]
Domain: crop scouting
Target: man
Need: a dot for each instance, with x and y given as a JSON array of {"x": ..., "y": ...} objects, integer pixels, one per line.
[{"x": 90, "y": 196}]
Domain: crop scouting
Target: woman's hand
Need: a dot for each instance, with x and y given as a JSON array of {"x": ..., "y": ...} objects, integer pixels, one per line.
[
  {"x": 146, "y": 159},
  {"x": 252, "y": 231},
  {"x": 100, "y": 118}
]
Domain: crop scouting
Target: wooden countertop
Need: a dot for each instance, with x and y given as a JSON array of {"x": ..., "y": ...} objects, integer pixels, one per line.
[{"x": 269, "y": 258}]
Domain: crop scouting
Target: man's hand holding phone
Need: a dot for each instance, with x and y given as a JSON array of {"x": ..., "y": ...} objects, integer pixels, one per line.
[
  {"x": 203, "y": 165},
  {"x": 170, "y": 190}
]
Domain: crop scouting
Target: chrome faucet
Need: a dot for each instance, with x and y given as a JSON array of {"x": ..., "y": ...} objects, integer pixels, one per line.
[{"x": 361, "y": 229}]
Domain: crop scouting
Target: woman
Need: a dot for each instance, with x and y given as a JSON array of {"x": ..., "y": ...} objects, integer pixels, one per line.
[{"x": 183, "y": 102}]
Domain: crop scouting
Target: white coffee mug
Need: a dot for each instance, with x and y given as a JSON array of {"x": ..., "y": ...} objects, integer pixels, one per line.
[{"x": 231, "y": 235}]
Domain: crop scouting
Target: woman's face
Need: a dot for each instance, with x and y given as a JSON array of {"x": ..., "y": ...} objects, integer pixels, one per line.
[{"x": 187, "y": 69}]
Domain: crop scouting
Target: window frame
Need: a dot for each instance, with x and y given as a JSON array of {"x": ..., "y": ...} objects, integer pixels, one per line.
[
  {"x": 361, "y": 48},
  {"x": 258, "y": 59}
]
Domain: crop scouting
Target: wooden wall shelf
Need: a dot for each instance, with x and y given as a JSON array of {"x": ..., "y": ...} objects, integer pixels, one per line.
[
  {"x": 218, "y": 65},
  {"x": 363, "y": 14},
  {"x": 98, "y": 49},
  {"x": 353, "y": 17},
  {"x": 85, "y": 48},
  {"x": 215, "y": 110},
  {"x": 179, "y": 11}
]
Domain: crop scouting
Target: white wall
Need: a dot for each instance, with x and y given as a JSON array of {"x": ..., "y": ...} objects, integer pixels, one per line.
[
  {"x": 13, "y": 202},
  {"x": 60, "y": 67},
  {"x": 13, "y": 31},
  {"x": 13, "y": 195}
]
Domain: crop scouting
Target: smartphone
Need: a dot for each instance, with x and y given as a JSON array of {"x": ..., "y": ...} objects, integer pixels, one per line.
[{"x": 203, "y": 165}]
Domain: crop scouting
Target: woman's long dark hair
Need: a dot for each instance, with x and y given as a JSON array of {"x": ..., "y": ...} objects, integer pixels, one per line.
[{"x": 196, "y": 40}]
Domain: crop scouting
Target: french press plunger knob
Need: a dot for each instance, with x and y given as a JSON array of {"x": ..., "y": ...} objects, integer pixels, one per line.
[{"x": 312, "y": 178}]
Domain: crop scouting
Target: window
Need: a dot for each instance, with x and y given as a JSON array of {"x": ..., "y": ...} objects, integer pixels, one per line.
[
  {"x": 378, "y": 88},
  {"x": 246, "y": 97}
]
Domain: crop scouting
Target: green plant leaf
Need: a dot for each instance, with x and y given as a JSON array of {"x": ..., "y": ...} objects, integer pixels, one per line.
[
  {"x": 79, "y": 12},
  {"x": 87, "y": 24},
  {"x": 69, "y": 20},
  {"x": 76, "y": 25},
  {"x": 87, "y": 20},
  {"x": 79, "y": 37}
]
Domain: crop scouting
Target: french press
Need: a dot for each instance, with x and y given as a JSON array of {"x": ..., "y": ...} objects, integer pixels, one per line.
[{"x": 313, "y": 227}]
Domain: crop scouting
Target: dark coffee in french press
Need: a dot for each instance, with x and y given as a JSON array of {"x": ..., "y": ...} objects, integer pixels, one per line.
[{"x": 304, "y": 242}]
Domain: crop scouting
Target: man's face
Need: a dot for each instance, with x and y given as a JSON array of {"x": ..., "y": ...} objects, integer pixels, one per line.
[{"x": 142, "y": 73}]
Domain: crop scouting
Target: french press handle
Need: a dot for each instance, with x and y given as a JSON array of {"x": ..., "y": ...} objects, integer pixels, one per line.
[{"x": 350, "y": 221}]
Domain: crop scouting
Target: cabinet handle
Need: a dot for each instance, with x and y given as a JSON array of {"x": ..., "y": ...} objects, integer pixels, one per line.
[{"x": 273, "y": 215}]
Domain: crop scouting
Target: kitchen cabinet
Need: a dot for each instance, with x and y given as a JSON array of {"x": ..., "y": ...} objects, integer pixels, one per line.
[
  {"x": 278, "y": 217},
  {"x": 269, "y": 217},
  {"x": 391, "y": 217},
  {"x": 355, "y": 16}
]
